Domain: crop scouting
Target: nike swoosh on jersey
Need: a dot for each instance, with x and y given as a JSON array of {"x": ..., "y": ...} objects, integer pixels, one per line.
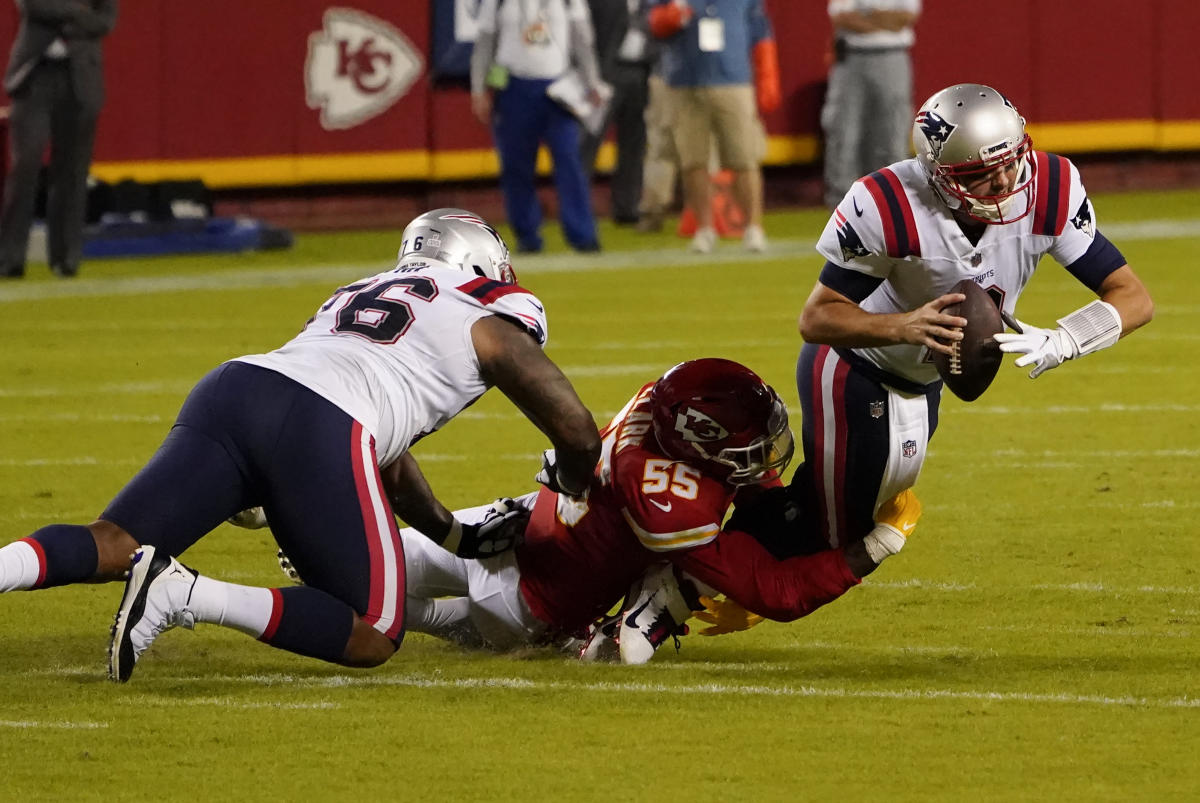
[
  {"x": 857, "y": 211},
  {"x": 664, "y": 508}
]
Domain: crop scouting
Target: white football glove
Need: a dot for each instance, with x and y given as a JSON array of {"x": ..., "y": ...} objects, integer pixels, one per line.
[
  {"x": 1048, "y": 348},
  {"x": 1090, "y": 328},
  {"x": 548, "y": 476},
  {"x": 501, "y": 530}
]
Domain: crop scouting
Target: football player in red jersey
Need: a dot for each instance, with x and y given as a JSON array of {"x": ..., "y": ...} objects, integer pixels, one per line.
[{"x": 685, "y": 448}]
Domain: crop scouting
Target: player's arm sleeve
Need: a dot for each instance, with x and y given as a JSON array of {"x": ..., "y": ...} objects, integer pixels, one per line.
[
  {"x": 1080, "y": 247},
  {"x": 852, "y": 284},
  {"x": 783, "y": 590},
  {"x": 853, "y": 239}
]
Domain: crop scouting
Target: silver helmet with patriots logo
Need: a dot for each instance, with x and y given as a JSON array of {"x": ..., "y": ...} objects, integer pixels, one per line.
[
  {"x": 972, "y": 144},
  {"x": 460, "y": 239}
]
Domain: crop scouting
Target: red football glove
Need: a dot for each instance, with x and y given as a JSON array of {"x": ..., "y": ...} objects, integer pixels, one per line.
[{"x": 766, "y": 75}]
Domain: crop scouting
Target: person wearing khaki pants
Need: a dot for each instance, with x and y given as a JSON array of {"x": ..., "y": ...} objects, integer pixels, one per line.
[{"x": 721, "y": 64}]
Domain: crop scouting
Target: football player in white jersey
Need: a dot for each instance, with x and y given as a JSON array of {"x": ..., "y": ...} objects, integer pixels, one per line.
[
  {"x": 302, "y": 431},
  {"x": 976, "y": 202}
]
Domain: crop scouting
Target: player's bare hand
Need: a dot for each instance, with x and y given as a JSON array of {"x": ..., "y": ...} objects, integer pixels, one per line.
[{"x": 929, "y": 326}]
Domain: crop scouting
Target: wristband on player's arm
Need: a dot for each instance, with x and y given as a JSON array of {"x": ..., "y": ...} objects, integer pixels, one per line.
[{"x": 1092, "y": 327}]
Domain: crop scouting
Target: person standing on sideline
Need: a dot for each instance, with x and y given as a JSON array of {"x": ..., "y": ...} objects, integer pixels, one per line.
[
  {"x": 521, "y": 48},
  {"x": 626, "y": 53},
  {"x": 55, "y": 78},
  {"x": 868, "y": 105},
  {"x": 719, "y": 59},
  {"x": 660, "y": 170}
]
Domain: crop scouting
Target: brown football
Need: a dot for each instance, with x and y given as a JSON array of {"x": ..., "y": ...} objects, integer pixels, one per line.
[{"x": 976, "y": 358}]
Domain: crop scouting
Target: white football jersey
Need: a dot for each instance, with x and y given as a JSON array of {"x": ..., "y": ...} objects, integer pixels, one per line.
[
  {"x": 892, "y": 226},
  {"x": 395, "y": 351}
]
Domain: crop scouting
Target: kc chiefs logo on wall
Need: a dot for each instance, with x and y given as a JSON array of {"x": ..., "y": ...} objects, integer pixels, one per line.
[{"x": 357, "y": 67}]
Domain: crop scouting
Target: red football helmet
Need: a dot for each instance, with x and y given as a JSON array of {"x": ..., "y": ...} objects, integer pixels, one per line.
[{"x": 721, "y": 414}]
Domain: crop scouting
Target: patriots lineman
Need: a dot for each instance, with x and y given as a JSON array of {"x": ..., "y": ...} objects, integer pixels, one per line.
[
  {"x": 976, "y": 202},
  {"x": 302, "y": 431}
]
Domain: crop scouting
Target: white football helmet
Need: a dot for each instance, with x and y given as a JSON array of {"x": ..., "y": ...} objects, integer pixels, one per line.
[
  {"x": 460, "y": 239},
  {"x": 964, "y": 134}
]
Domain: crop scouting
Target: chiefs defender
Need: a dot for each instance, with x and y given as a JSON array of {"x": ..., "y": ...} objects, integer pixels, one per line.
[{"x": 707, "y": 433}]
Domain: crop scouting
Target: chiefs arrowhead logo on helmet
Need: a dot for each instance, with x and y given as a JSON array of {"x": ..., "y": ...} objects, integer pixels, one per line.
[{"x": 696, "y": 427}]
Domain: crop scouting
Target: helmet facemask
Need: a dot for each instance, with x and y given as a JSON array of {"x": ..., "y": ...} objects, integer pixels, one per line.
[
  {"x": 963, "y": 135},
  {"x": 764, "y": 457},
  {"x": 952, "y": 181}
]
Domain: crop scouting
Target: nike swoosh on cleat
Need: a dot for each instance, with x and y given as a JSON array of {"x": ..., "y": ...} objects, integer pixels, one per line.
[{"x": 664, "y": 508}]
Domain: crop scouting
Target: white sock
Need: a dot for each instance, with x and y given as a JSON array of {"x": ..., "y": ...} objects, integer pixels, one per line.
[
  {"x": 19, "y": 567},
  {"x": 434, "y": 615},
  {"x": 244, "y": 608}
]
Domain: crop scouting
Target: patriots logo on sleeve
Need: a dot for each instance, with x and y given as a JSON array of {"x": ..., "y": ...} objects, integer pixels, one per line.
[
  {"x": 936, "y": 130},
  {"x": 1083, "y": 219},
  {"x": 848, "y": 239}
]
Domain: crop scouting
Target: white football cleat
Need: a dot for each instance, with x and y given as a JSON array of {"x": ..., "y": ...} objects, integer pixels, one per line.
[
  {"x": 658, "y": 612},
  {"x": 157, "y": 592},
  {"x": 601, "y": 643}
]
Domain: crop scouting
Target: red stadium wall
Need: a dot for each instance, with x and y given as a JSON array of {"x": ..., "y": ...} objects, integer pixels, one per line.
[{"x": 218, "y": 91}]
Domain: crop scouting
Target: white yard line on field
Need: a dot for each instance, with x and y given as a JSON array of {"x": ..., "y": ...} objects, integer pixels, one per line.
[
  {"x": 933, "y": 585},
  {"x": 618, "y": 687},
  {"x": 33, "y": 724},
  {"x": 1074, "y": 409},
  {"x": 715, "y": 689}
]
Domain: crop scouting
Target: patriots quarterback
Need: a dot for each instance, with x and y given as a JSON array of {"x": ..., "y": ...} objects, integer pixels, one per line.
[{"x": 977, "y": 202}]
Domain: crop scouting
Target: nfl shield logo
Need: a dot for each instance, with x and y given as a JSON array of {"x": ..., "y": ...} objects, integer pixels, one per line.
[
  {"x": 909, "y": 448},
  {"x": 876, "y": 408},
  {"x": 976, "y": 259}
]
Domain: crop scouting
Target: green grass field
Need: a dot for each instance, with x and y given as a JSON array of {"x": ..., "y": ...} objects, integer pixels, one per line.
[{"x": 1038, "y": 639}]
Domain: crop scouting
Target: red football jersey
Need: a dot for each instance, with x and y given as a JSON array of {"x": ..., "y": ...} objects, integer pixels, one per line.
[{"x": 580, "y": 557}]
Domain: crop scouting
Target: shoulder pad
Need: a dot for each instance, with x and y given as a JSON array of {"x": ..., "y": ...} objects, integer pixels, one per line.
[
  {"x": 509, "y": 301},
  {"x": 900, "y": 235},
  {"x": 1053, "y": 193}
]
